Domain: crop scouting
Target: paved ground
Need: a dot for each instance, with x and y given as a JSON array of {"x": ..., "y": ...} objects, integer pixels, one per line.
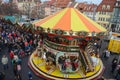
[
  {"x": 107, "y": 62},
  {"x": 25, "y": 69}
]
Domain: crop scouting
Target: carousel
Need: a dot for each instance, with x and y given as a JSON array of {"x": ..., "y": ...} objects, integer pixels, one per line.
[{"x": 67, "y": 49}]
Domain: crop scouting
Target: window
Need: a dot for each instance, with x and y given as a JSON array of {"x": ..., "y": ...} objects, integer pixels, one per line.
[
  {"x": 119, "y": 14},
  {"x": 105, "y": 13},
  {"x": 107, "y": 19},
  {"x": 103, "y": 19},
  {"x": 116, "y": 4},
  {"x": 99, "y": 12},
  {"x": 88, "y": 8},
  {"x": 108, "y": 7},
  {"x": 91, "y": 13},
  {"x": 98, "y": 19},
  {"x": 103, "y": 7}
]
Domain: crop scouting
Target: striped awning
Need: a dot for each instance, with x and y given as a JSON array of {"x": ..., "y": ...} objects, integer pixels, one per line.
[{"x": 70, "y": 19}]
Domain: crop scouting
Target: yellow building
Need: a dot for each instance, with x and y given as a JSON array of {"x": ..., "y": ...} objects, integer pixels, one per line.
[{"x": 104, "y": 12}]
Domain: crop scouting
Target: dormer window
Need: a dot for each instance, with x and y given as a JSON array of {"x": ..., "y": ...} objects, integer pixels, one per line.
[
  {"x": 116, "y": 4},
  {"x": 108, "y": 7},
  {"x": 88, "y": 8},
  {"x": 84, "y": 8},
  {"x": 103, "y": 7}
]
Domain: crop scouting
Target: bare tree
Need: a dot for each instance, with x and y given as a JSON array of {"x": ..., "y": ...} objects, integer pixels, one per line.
[
  {"x": 27, "y": 8},
  {"x": 0, "y": 6},
  {"x": 8, "y": 9}
]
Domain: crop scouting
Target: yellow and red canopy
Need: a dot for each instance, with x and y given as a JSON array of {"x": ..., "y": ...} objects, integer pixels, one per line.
[{"x": 69, "y": 19}]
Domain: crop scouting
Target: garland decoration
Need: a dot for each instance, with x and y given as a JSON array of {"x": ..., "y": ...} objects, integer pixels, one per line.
[
  {"x": 40, "y": 29},
  {"x": 59, "y": 32},
  {"x": 82, "y": 33},
  {"x": 71, "y": 32},
  {"x": 48, "y": 30},
  {"x": 100, "y": 34}
]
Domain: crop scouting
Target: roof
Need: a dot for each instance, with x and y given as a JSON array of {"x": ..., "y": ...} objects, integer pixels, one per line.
[
  {"x": 69, "y": 19},
  {"x": 85, "y": 7},
  {"x": 49, "y": 3},
  {"x": 106, "y": 6},
  {"x": 62, "y": 3},
  {"x": 11, "y": 18}
]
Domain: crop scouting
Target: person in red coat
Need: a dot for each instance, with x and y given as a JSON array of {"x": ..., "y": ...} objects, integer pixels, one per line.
[{"x": 11, "y": 55}]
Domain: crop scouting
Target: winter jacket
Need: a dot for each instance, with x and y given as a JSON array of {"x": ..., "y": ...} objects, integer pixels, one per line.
[{"x": 4, "y": 60}]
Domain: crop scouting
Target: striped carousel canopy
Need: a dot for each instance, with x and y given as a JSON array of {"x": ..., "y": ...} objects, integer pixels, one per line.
[{"x": 70, "y": 19}]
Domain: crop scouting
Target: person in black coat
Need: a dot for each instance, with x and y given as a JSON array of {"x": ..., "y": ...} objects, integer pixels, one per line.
[{"x": 114, "y": 64}]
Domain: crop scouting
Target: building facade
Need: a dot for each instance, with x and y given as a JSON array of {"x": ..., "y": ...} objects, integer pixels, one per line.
[
  {"x": 104, "y": 12},
  {"x": 115, "y": 20},
  {"x": 53, "y": 6}
]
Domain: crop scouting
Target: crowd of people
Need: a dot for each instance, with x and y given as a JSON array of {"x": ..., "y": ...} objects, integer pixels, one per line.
[{"x": 20, "y": 43}]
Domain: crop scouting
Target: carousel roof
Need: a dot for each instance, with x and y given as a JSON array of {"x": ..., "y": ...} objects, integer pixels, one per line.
[{"x": 69, "y": 19}]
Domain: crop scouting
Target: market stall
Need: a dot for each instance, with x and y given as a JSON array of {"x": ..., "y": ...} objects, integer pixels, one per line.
[{"x": 114, "y": 44}]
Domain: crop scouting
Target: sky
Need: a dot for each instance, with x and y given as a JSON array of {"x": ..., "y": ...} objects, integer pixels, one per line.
[
  {"x": 89, "y": 1},
  {"x": 5, "y": 0}
]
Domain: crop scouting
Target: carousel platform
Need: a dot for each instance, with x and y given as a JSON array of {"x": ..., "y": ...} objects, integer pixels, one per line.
[{"x": 39, "y": 67}]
